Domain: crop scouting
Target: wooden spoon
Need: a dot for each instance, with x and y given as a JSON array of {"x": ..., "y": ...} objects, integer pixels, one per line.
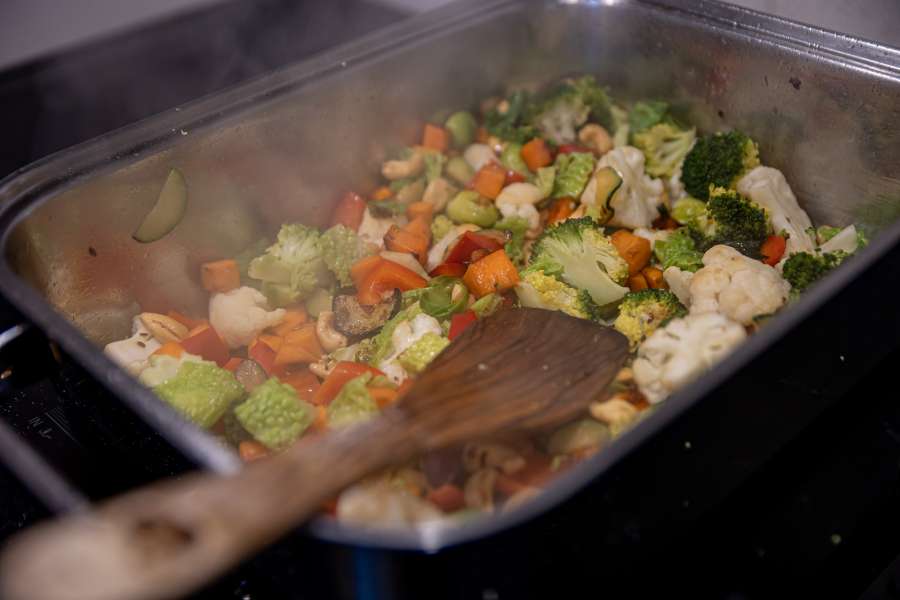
[{"x": 521, "y": 368}]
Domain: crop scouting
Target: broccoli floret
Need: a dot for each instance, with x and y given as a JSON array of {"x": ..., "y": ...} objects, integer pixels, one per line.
[
  {"x": 646, "y": 114},
  {"x": 803, "y": 269},
  {"x": 665, "y": 146},
  {"x": 440, "y": 227},
  {"x": 577, "y": 252},
  {"x": 340, "y": 247},
  {"x": 274, "y": 415},
  {"x": 718, "y": 160},
  {"x": 537, "y": 290},
  {"x": 424, "y": 350},
  {"x": 508, "y": 121},
  {"x": 573, "y": 171},
  {"x": 568, "y": 106},
  {"x": 353, "y": 404},
  {"x": 201, "y": 391},
  {"x": 678, "y": 250},
  {"x": 515, "y": 247},
  {"x": 732, "y": 220},
  {"x": 642, "y": 312},
  {"x": 292, "y": 267}
]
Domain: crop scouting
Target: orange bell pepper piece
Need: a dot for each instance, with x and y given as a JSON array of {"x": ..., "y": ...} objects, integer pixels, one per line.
[
  {"x": 342, "y": 372},
  {"x": 299, "y": 346},
  {"x": 363, "y": 268},
  {"x": 489, "y": 180},
  {"x": 435, "y": 137},
  {"x": 493, "y": 273},
  {"x": 536, "y": 154},
  {"x": 386, "y": 277},
  {"x": 420, "y": 210},
  {"x": 220, "y": 276},
  {"x": 294, "y": 317},
  {"x": 403, "y": 240}
]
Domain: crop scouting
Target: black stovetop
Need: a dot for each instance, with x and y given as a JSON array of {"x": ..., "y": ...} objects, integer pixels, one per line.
[{"x": 820, "y": 516}]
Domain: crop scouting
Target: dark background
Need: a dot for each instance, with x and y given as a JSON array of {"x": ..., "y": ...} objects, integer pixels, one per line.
[{"x": 822, "y": 514}]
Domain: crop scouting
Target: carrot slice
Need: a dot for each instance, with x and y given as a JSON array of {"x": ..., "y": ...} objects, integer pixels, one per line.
[
  {"x": 299, "y": 346},
  {"x": 560, "y": 210},
  {"x": 342, "y": 372},
  {"x": 637, "y": 282},
  {"x": 773, "y": 249},
  {"x": 435, "y": 137},
  {"x": 420, "y": 210},
  {"x": 220, "y": 276},
  {"x": 489, "y": 180},
  {"x": 493, "y": 273},
  {"x": 654, "y": 278},
  {"x": 536, "y": 154},
  {"x": 382, "y": 193},
  {"x": 634, "y": 249}
]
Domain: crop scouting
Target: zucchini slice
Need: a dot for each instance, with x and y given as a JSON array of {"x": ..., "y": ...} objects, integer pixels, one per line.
[
  {"x": 607, "y": 181},
  {"x": 167, "y": 212}
]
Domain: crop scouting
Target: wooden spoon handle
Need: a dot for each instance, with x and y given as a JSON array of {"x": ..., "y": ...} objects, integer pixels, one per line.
[{"x": 170, "y": 538}]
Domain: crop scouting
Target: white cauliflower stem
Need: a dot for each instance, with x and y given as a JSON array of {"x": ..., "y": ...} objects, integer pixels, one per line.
[
  {"x": 636, "y": 202},
  {"x": 240, "y": 315},
  {"x": 768, "y": 188},
  {"x": 679, "y": 283},
  {"x": 736, "y": 286},
  {"x": 133, "y": 353},
  {"x": 678, "y": 353}
]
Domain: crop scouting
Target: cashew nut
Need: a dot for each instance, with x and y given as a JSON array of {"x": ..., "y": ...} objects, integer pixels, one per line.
[
  {"x": 596, "y": 138},
  {"x": 478, "y": 455},
  {"x": 616, "y": 412},
  {"x": 163, "y": 328},
  {"x": 478, "y": 491},
  {"x": 401, "y": 169},
  {"x": 330, "y": 339},
  {"x": 438, "y": 194},
  {"x": 321, "y": 369}
]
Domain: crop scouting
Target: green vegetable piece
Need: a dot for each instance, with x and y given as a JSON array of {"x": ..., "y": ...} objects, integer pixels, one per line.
[
  {"x": 167, "y": 212},
  {"x": 411, "y": 193},
  {"x": 643, "y": 312},
  {"x": 441, "y": 226},
  {"x": 274, "y": 415},
  {"x": 538, "y": 290},
  {"x": 620, "y": 127},
  {"x": 293, "y": 267},
  {"x": 383, "y": 345},
  {"x": 459, "y": 170},
  {"x": 645, "y": 114},
  {"x": 509, "y": 120},
  {"x": 573, "y": 171},
  {"x": 398, "y": 184},
  {"x": 511, "y": 158},
  {"x": 577, "y": 252},
  {"x": 444, "y": 297},
  {"x": 608, "y": 182},
  {"x": 544, "y": 180},
  {"x": 244, "y": 257},
  {"x": 163, "y": 367},
  {"x": 340, "y": 247},
  {"x": 353, "y": 404},
  {"x": 468, "y": 207},
  {"x": 690, "y": 211},
  {"x": 803, "y": 269},
  {"x": 825, "y": 233},
  {"x": 568, "y": 106},
  {"x": 578, "y": 435},
  {"x": 318, "y": 302},
  {"x": 386, "y": 208},
  {"x": 201, "y": 391},
  {"x": 718, "y": 160},
  {"x": 515, "y": 247},
  {"x": 678, "y": 250},
  {"x": 461, "y": 126},
  {"x": 487, "y": 305},
  {"x": 664, "y": 145},
  {"x": 424, "y": 350},
  {"x": 434, "y": 165}
]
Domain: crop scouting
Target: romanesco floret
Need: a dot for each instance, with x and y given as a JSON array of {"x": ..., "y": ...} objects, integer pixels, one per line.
[
  {"x": 201, "y": 391},
  {"x": 340, "y": 248},
  {"x": 577, "y": 252},
  {"x": 665, "y": 146},
  {"x": 353, "y": 404},
  {"x": 537, "y": 290},
  {"x": 424, "y": 350},
  {"x": 274, "y": 415},
  {"x": 642, "y": 312},
  {"x": 573, "y": 171},
  {"x": 803, "y": 269},
  {"x": 292, "y": 267},
  {"x": 718, "y": 160},
  {"x": 678, "y": 250}
]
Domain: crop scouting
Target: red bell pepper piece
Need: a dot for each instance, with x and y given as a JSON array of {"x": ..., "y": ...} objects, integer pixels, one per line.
[
  {"x": 448, "y": 497},
  {"x": 233, "y": 364},
  {"x": 469, "y": 242},
  {"x": 342, "y": 372},
  {"x": 263, "y": 354},
  {"x": 387, "y": 276},
  {"x": 205, "y": 342},
  {"x": 349, "y": 211},
  {"x": 450, "y": 269},
  {"x": 572, "y": 148},
  {"x": 514, "y": 177},
  {"x": 304, "y": 382},
  {"x": 460, "y": 321}
]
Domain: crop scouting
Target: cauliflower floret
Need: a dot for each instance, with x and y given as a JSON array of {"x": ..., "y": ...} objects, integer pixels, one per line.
[
  {"x": 847, "y": 240},
  {"x": 675, "y": 187},
  {"x": 653, "y": 235},
  {"x": 437, "y": 252},
  {"x": 518, "y": 200},
  {"x": 636, "y": 202},
  {"x": 133, "y": 354},
  {"x": 372, "y": 230},
  {"x": 525, "y": 211},
  {"x": 768, "y": 188},
  {"x": 678, "y": 353},
  {"x": 736, "y": 286},
  {"x": 680, "y": 283},
  {"x": 240, "y": 315},
  {"x": 405, "y": 335},
  {"x": 478, "y": 155}
]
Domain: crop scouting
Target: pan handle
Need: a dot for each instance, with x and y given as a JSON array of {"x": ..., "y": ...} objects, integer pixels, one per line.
[{"x": 27, "y": 464}]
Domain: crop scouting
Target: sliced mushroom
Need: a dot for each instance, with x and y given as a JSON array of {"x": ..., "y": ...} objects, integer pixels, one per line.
[
  {"x": 354, "y": 319},
  {"x": 250, "y": 375}
]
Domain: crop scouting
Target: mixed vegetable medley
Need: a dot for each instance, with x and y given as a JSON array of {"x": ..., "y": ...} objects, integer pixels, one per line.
[{"x": 561, "y": 200}]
